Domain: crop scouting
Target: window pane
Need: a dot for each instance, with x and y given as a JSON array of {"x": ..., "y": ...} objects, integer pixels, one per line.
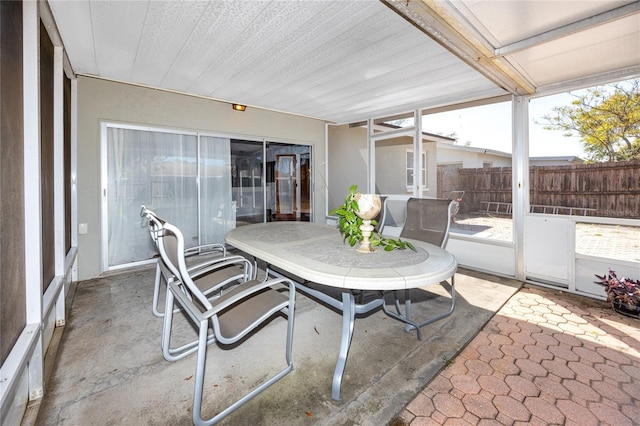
[
  {"x": 425, "y": 180},
  {"x": 584, "y": 153},
  {"x": 554, "y": 157},
  {"x": 217, "y": 213},
  {"x": 610, "y": 241},
  {"x": 394, "y": 122},
  {"x": 288, "y": 182},
  {"x": 246, "y": 172},
  {"x": 154, "y": 169},
  {"x": 585, "y": 161},
  {"x": 473, "y": 160}
]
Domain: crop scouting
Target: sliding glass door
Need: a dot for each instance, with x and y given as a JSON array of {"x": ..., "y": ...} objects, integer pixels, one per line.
[{"x": 206, "y": 185}]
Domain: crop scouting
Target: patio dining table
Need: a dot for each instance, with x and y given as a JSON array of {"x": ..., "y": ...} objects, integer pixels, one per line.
[{"x": 317, "y": 254}]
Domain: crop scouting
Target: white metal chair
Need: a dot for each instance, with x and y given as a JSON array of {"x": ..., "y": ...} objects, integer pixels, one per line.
[
  {"x": 381, "y": 217},
  {"x": 457, "y": 197},
  {"x": 210, "y": 254},
  {"x": 232, "y": 316},
  {"x": 214, "y": 275},
  {"x": 427, "y": 220}
]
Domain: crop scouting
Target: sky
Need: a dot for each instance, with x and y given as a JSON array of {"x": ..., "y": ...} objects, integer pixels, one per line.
[{"x": 489, "y": 127}]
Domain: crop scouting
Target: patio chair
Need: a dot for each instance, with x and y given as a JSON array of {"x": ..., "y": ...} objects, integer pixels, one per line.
[
  {"x": 213, "y": 276},
  {"x": 232, "y": 316},
  {"x": 380, "y": 218},
  {"x": 457, "y": 197},
  {"x": 427, "y": 220},
  {"x": 155, "y": 222}
]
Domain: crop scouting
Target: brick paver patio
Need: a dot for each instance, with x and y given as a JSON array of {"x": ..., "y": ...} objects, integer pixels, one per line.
[{"x": 545, "y": 358}]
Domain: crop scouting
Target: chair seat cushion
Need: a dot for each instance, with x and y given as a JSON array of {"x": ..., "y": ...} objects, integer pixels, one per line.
[
  {"x": 236, "y": 319},
  {"x": 218, "y": 278}
]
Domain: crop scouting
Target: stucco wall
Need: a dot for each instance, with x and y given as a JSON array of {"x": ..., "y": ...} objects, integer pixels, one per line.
[
  {"x": 348, "y": 153},
  {"x": 471, "y": 159},
  {"x": 100, "y": 100},
  {"x": 391, "y": 166}
]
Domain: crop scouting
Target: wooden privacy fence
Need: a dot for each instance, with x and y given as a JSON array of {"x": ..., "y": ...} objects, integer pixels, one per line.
[{"x": 606, "y": 189}]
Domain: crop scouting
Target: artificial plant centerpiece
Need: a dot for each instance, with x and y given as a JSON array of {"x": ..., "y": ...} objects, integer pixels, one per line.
[
  {"x": 623, "y": 293},
  {"x": 356, "y": 229}
]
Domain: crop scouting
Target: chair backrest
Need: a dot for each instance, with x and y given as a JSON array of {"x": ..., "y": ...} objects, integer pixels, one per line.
[
  {"x": 171, "y": 247},
  {"x": 381, "y": 216},
  {"x": 456, "y": 195},
  {"x": 428, "y": 220},
  {"x": 155, "y": 222}
]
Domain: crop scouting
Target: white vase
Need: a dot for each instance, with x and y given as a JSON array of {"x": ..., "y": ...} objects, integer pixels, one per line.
[{"x": 368, "y": 208}]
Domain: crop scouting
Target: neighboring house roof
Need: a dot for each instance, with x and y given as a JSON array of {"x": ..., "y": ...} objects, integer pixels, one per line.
[
  {"x": 449, "y": 143},
  {"x": 533, "y": 161},
  {"x": 555, "y": 160},
  {"x": 474, "y": 149},
  {"x": 438, "y": 138}
]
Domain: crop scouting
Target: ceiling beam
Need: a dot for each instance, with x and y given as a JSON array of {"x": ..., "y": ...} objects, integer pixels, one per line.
[
  {"x": 443, "y": 23},
  {"x": 569, "y": 29},
  {"x": 54, "y": 34}
]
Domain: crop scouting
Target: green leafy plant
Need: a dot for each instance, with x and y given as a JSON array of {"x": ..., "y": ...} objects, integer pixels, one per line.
[
  {"x": 446, "y": 362},
  {"x": 349, "y": 224}
]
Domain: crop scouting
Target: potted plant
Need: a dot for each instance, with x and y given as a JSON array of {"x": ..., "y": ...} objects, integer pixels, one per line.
[
  {"x": 350, "y": 225},
  {"x": 623, "y": 293}
]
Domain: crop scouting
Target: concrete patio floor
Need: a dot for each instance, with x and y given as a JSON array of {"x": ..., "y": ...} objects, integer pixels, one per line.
[{"x": 109, "y": 368}]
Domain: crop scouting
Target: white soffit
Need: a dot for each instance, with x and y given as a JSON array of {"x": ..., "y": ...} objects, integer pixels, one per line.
[{"x": 341, "y": 61}]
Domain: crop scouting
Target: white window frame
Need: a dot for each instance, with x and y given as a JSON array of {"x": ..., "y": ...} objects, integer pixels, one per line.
[{"x": 410, "y": 171}]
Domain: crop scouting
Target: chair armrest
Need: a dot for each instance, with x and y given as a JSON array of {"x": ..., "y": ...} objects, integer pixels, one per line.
[
  {"x": 245, "y": 290},
  {"x": 192, "y": 251},
  {"x": 210, "y": 265},
  {"x": 229, "y": 299}
]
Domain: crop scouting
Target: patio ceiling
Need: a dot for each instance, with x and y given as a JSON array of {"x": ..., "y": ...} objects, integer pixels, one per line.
[{"x": 345, "y": 61}]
